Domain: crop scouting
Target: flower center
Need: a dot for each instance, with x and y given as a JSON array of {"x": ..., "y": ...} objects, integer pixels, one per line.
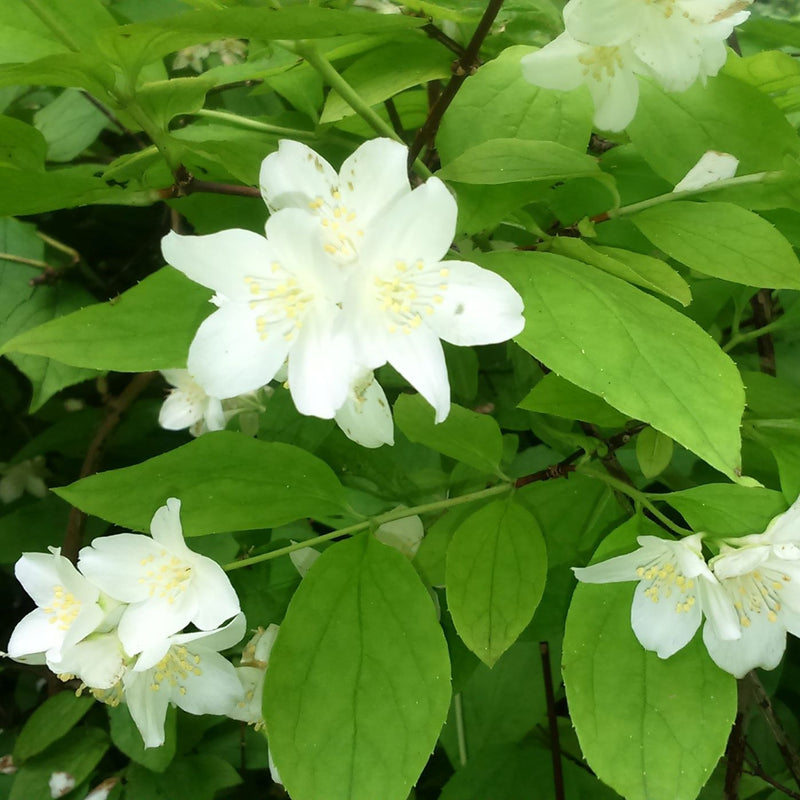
[
  {"x": 665, "y": 580},
  {"x": 63, "y": 608},
  {"x": 173, "y": 670},
  {"x": 340, "y": 224},
  {"x": 757, "y": 593},
  {"x": 412, "y": 291},
  {"x": 282, "y": 303},
  {"x": 111, "y": 697},
  {"x": 598, "y": 60},
  {"x": 168, "y": 576}
]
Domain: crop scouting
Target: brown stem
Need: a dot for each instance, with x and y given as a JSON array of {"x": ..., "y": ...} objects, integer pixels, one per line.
[
  {"x": 463, "y": 67},
  {"x": 552, "y": 719},
  {"x": 782, "y": 740},
  {"x": 394, "y": 117},
  {"x": 115, "y": 408},
  {"x": 107, "y": 112},
  {"x": 757, "y": 770},
  {"x": 440, "y": 36},
  {"x": 763, "y": 314},
  {"x": 186, "y": 184},
  {"x": 737, "y": 743}
]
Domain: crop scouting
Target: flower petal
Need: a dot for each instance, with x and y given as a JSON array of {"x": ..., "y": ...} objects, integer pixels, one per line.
[
  {"x": 34, "y": 634},
  {"x": 761, "y": 645},
  {"x": 213, "y": 689},
  {"x": 152, "y": 621},
  {"x": 148, "y": 706},
  {"x": 115, "y": 565},
  {"x": 613, "y": 570},
  {"x": 294, "y": 176},
  {"x": 218, "y": 600},
  {"x": 602, "y": 22},
  {"x": 556, "y": 65},
  {"x": 98, "y": 661},
  {"x": 221, "y": 261},
  {"x": 366, "y": 417},
  {"x": 419, "y": 358},
  {"x": 615, "y": 99},
  {"x": 229, "y": 357},
  {"x": 165, "y": 528},
  {"x": 479, "y": 307},
  {"x": 663, "y": 626},
  {"x": 180, "y": 410},
  {"x": 375, "y": 176}
]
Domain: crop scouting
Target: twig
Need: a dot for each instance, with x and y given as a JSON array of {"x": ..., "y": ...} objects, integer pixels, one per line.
[
  {"x": 109, "y": 114},
  {"x": 394, "y": 117},
  {"x": 463, "y": 67},
  {"x": 735, "y": 749},
  {"x": 761, "y": 303},
  {"x": 244, "y": 84},
  {"x": 115, "y": 408},
  {"x": 440, "y": 36},
  {"x": 757, "y": 770},
  {"x": 186, "y": 184},
  {"x": 552, "y": 718},
  {"x": 784, "y": 744}
]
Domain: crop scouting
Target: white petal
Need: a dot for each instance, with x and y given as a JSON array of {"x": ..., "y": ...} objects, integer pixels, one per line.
[
  {"x": 419, "y": 358},
  {"x": 152, "y": 621},
  {"x": 220, "y": 639},
  {"x": 180, "y": 410},
  {"x": 556, "y": 65},
  {"x": 166, "y": 529},
  {"x": 613, "y": 570},
  {"x": 717, "y": 605},
  {"x": 320, "y": 365},
  {"x": 615, "y": 99},
  {"x": 602, "y": 22},
  {"x": 366, "y": 417},
  {"x": 304, "y": 559},
  {"x": 419, "y": 225},
  {"x": 479, "y": 307},
  {"x": 98, "y": 661},
  {"x": 403, "y": 535},
  {"x": 761, "y": 645},
  {"x": 660, "y": 626},
  {"x": 712, "y": 167},
  {"x": 114, "y": 565},
  {"x": 34, "y": 634},
  {"x": 221, "y": 261},
  {"x": 148, "y": 707},
  {"x": 248, "y": 708},
  {"x": 214, "y": 415},
  {"x": 40, "y": 573},
  {"x": 786, "y": 527},
  {"x": 295, "y": 176},
  {"x": 731, "y": 563},
  {"x": 217, "y": 599},
  {"x": 214, "y": 689},
  {"x": 229, "y": 357},
  {"x": 373, "y": 177},
  {"x": 670, "y": 49}
]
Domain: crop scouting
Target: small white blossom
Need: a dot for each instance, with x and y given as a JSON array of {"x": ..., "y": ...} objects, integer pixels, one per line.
[
  {"x": 366, "y": 417},
  {"x": 27, "y": 476},
  {"x": 303, "y": 559},
  {"x": 187, "y": 671},
  {"x": 61, "y": 783},
  {"x": 166, "y": 585},
  {"x": 712, "y": 167},
  {"x": 404, "y": 535},
  {"x": 68, "y": 607},
  {"x": 675, "y": 588},
  {"x": 189, "y": 406},
  {"x": 253, "y": 667}
]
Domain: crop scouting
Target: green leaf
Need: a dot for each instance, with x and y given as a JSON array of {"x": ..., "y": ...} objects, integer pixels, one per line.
[
  {"x": 672, "y": 130},
  {"x": 19, "y": 45},
  {"x": 467, "y": 436},
  {"x": 725, "y": 509},
  {"x": 225, "y": 481},
  {"x": 651, "y": 729},
  {"x": 126, "y": 738},
  {"x": 359, "y": 679},
  {"x": 382, "y": 73},
  {"x": 65, "y": 69},
  {"x": 653, "y": 452},
  {"x": 142, "y": 43},
  {"x": 516, "y": 160},
  {"x": 431, "y": 558},
  {"x": 636, "y": 268},
  {"x": 498, "y": 103},
  {"x": 723, "y": 240},
  {"x": 53, "y": 719},
  {"x": 638, "y": 354},
  {"x": 496, "y": 572},
  {"x": 557, "y": 396},
  {"x": 33, "y": 527},
  {"x": 164, "y": 100},
  {"x": 78, "y": 755},
  {"x": 784, "y": 444},
  {"x": 197, "y": 776},
  {"x": 148, "y": 327},
  {"x": 69, "y": 125},
  {"x": 21, "y": 145}
]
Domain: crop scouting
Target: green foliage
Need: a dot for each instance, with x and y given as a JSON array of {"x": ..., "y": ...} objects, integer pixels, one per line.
[
  {"x": 52, "y": 720},
  {"x": 381, "y": 641}
]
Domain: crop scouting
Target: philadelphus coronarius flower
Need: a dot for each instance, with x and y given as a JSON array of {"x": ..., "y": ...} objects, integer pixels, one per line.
[
  {"x": 349, "y": 277},
  {"x": 607, "y": 43},
  {"x": 116, "y": 623},
  {"x": 749, "y": 593}
]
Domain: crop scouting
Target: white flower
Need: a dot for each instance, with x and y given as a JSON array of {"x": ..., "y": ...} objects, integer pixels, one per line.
[
  {"x": 68, "y": 610},
  {"x": 187, "y": 671},
  {"x": 675, "y": 588},
  {"x": 61, "y": 783},
  {"x": 401, "y": 298},
  {"x": 678, "y": 40},
  {"x": 303, "y": 559},
  {"x": 99, "y": 661},
  {"x": 166, "y": 584},
  {"x": 404, "y": 535},
  {"x": 345, "y": 204},
  {"x": 27, "y": 476},
  {"x": 712, "y": 167},
  {"x": 608, "y": 71},
  {"x": 277, "y": 297},
  {"x": 366, "y": 417},
  {"x": 188, "y": 405},
  {"x": 253, "y": 666}
]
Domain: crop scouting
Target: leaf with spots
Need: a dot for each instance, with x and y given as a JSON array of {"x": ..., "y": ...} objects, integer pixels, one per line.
[
  {"x": 650, "y": 728},
  {"x": 495, "y": 576},
  {"x": 359, "y": 679}
]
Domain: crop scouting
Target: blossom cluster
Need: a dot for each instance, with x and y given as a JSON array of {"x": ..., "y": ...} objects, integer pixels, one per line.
[
  {"x": 749, "y": 593},
  {"x": 350, "y": 276},
  {"x": 117, "y": 623},
  {"x": 608, "y": 43}
]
